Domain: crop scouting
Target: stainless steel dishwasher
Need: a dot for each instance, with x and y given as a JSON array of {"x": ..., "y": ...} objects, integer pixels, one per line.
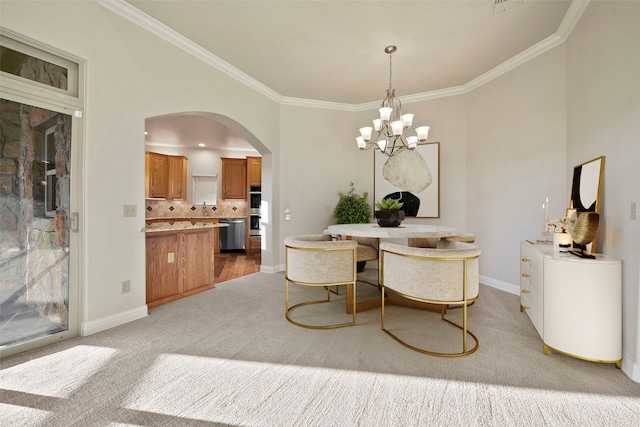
[{"x": 232, "y": 237}]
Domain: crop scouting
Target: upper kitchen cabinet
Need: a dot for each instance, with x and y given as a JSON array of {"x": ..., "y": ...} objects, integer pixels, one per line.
[
  {"x": 177, "y": 177},
  {"x": 156, "y": 177},
  {"x": 254, "y": 171},
  {"x": 165, "y": 176},
  {"x": 234, "y": 178}
]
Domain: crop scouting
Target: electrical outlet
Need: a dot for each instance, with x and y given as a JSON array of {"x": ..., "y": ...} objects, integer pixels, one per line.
[
  {"x": 287, "y": 217},
  {"x": 126, "y": 286},
  {"x": 170, "y": 257},
  {"x": 129, "y": 210},
  {"x": 287, "y": 209}
]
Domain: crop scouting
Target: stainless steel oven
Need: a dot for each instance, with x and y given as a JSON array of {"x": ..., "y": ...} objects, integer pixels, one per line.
[
  {"x": 254, "y": 200},
  {"x": 254, "y": 225}
]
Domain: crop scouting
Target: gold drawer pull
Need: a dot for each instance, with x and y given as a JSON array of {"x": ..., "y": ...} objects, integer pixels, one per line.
[
  {"x": 526, "y": 260},
  {"x": 525, "y": 307},
  {"x": 526, "y": 275},
  {"x": 526, "y": 291}
]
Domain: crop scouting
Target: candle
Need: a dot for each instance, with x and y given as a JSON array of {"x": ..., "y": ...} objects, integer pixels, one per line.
[{"x": 546, "y": 211}]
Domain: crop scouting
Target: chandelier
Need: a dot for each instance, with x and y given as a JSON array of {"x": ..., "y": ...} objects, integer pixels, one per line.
[{"x": 392, "y": 124}]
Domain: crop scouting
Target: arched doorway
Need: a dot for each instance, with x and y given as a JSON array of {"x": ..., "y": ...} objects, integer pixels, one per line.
[{"x": 206, "y": 138}]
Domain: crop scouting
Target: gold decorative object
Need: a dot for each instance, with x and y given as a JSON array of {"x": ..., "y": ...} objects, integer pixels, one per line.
[{"x": 583, "y": 227}]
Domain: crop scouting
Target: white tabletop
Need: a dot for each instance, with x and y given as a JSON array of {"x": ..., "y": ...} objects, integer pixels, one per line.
[{"x": 404, "y": 230}]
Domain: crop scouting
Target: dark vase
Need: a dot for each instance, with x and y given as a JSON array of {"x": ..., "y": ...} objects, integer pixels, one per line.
[{"x": 389, "y": 217}]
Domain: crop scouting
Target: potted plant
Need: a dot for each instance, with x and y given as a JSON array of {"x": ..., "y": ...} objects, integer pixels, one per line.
[
  {"x": 352, "y": 208},
  {"x": 389, "y": 213}
]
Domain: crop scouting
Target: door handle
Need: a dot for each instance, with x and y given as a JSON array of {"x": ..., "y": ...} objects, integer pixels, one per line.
[{"x": 75, "y": 221}]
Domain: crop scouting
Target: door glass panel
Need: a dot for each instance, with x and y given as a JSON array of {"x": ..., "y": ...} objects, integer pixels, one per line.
[{"x": 35, "y": 172}]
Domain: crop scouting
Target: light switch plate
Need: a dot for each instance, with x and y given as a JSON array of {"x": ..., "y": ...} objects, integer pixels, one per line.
[
  {"x": 634, "y": 211},
  {"x": 170, "y": 257},
  {"x": 129, "y": 210}
]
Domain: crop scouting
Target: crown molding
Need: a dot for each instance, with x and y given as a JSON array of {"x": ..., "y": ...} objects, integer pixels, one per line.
[
  {"x": 144, "y": 21},
  {"x": 514, "y": 62},
  {"x": 571, "y": 18},
  {"x": 300, "y": 102},
  {"x": 417, "y": 97}
]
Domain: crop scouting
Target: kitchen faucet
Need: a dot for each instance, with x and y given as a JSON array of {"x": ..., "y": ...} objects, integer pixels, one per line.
[{"x": 204, "y": 208}]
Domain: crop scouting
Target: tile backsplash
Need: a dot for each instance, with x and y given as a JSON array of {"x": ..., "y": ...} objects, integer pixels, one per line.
[{"x": 230, "y": 208}]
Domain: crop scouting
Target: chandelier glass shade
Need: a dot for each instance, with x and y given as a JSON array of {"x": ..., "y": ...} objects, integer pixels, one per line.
[{"x": 392, "y": 126}]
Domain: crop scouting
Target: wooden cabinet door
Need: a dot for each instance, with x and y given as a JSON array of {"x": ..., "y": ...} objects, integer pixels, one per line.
[
  {"x": 254, "y": 171},
  {"x": 254, "y": 243},
  {"x": 162, "y": 267},
  {"x": 177, "y": 166},
  {"x": 156, "y": 175},
  {"x": 234, "y": 178},
  {"x": 197, "y": 259}
]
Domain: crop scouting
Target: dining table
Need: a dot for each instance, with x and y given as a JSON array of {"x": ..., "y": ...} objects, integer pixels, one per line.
[{"x": 405, "y": 230}]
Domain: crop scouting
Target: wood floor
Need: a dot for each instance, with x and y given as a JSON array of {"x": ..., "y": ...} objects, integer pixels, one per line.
[{"x": 229, "y": 265}]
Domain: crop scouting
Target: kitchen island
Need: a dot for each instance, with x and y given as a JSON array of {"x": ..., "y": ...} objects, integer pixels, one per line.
[{"x": 179, "y": 258}]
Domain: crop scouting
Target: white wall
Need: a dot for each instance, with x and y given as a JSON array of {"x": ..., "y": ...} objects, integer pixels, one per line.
[
  {"x": 515, "y": 160},
  {"x": 317, "y": 160},
  {"x": 131, "y": 75},
  {"x": 603, "y": 118}
]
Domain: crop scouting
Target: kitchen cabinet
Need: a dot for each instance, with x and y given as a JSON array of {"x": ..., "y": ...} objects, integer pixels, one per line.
[
  {"x": 156, "y": 175},
  {"x": 177, "y": 166},
  {"x": 178, "y": 263},
  {"x": 234, "y": 178},
  {"x": 254, "y": 243},
  {"x": 165, "y": 176},
  {"x": 162, "y": 268},
  {"x": 254, "y": 171}
]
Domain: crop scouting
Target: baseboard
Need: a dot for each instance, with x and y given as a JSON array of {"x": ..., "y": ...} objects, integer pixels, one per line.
[
  {"x": 498, "y": 284},
  {"x": 271, "y": 268},
  {"x": 94, "y": 326},
  {"x": 630, "y": 368}
]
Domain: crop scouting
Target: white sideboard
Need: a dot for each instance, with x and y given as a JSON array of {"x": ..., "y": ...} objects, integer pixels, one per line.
[{"x": 574, "y": 303}]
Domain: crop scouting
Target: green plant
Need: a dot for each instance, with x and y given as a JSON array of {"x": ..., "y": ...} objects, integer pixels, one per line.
[
  {"x": 352, "y": 208},
  {"x": 388, "y": 204}
]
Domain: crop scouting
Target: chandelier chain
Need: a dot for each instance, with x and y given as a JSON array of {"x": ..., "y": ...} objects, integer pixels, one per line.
[{"x": 390, "y": 71}]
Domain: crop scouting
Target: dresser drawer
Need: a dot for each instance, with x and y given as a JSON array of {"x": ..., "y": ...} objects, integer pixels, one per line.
[{"x": 531, "y": 286}]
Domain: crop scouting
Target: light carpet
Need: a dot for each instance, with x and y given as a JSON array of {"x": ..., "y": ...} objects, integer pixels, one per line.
[{"x": 228, "y": 357}]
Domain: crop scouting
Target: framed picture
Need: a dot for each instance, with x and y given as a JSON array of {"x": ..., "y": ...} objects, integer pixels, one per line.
[{"x": 413, "y": 177}]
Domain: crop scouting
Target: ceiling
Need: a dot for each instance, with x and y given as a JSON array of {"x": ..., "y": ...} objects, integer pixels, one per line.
[
  {"x": 190, "y": 130},
  {"x": 333, "y": 51}
]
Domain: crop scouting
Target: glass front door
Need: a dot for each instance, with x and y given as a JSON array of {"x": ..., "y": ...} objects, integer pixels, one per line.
[{"x": 35, "y": 222}]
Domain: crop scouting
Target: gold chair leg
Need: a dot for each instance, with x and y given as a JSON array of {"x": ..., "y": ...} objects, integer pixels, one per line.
[
  {"x": 443, "y": 310},
  {"x": 288, "y": 310}
]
